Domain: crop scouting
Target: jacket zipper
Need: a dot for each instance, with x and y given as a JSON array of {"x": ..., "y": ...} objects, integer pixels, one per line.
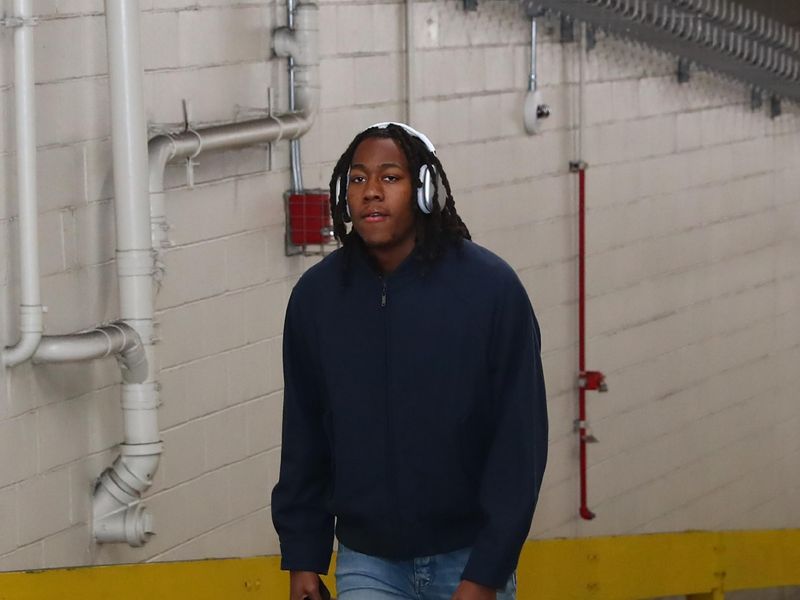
[{"x": 391, "y": 469}]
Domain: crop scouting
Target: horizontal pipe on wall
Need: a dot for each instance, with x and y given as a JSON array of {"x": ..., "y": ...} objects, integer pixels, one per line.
[{"x": 116, "y": 339}]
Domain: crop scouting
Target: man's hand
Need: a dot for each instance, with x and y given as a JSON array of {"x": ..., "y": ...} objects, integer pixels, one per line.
[
  {"x": 468, "y": 590},
  {"x": 304, "y": 584}
]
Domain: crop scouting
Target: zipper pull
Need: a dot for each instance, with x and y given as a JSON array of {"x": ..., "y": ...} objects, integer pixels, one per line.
[{"x": 383, "y": 295}]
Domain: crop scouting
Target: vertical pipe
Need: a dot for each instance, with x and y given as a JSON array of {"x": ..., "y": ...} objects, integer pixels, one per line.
[
  {"x": 129, "y": 146},
  {"x": 584, "y": 508},
  {"x": 294, "y": 145},
  {"x": 30, "y": 291},
  {"x": 128, "y": 125},
  {"x": 585, "y": 513},
  {"x": 410, "y": 62},
  {"x": 533, "y": 85},
  {"x": 118, "y": 513}
]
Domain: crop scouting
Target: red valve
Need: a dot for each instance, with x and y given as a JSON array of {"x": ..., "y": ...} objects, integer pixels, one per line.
[{"x": 593, "y": 380}]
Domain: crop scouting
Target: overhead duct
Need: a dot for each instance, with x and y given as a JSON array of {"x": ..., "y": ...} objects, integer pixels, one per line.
[{"x": 720, "y": 35}]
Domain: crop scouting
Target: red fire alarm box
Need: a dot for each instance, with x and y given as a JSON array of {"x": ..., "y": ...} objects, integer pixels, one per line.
[{"x": 308, "y": 219}]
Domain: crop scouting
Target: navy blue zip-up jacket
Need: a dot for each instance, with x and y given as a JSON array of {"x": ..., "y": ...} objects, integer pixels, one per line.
[{"x": 414, "y": 413}]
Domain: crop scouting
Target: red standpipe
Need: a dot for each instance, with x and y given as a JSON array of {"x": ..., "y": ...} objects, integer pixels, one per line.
[{"x": 587, "y": 380}]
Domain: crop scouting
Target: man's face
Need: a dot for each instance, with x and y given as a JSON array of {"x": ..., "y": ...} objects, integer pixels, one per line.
[{"x": 379, "y": 195}]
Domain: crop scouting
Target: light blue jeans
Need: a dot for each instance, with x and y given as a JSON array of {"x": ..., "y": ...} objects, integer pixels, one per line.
[{"x": 363, "y": 577}]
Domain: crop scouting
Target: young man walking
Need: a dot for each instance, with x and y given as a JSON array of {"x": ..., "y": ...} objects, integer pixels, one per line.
[{"x": 415, "y": 421}]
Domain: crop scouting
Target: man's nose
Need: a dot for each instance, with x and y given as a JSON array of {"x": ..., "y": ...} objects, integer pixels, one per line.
[{"x": 373, "y": 190}]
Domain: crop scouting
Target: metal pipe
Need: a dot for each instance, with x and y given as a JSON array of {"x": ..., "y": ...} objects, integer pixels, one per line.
[
  {"x": 579, "y": 165},
  {"x": 532, "y": 84},
  {"x": 117, "y": 339},
  {"x": 24, "y": 92},
  {"x": 294, "y": 145},
  {"x": 410, "y": 54},
  {"x": 583, "y": 432}
]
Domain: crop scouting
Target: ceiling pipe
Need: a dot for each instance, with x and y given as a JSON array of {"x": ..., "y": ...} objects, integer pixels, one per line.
[
  {"x": 30, "y": 290},
  {"x": 299, "y": 43},
  {"x": 118, "y": 514},
  {"x": 116, "y": 339}
]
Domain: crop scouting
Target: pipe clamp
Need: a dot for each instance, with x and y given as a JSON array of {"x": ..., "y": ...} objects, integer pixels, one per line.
[
  {"x": 135, "y": 262},
  {"x": 14, "y": 22},
  {"x": 141, "y": 449},
  {"x": 139, "y": 396},
  {"x": 31, "y": 318}
]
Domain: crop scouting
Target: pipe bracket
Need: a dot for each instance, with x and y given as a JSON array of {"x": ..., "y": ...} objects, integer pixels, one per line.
[{"x": 14, "y": 22}]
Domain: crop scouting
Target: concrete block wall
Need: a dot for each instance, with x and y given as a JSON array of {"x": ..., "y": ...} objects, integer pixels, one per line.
[{"x": 693, "y": 278}]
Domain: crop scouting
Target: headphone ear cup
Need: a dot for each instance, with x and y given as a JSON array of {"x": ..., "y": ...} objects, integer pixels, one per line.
[
  {"x": 346, "y": 212},
  {"x": 425, "y": 191}
]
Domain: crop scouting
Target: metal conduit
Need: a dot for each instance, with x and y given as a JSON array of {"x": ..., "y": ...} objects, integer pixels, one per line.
[
  {"x": 294, "y": 144},
  {"x": 720, "y": 35}
]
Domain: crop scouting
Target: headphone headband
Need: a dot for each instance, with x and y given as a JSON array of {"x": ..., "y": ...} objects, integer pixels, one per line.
[{"x": 410, "y": 130}]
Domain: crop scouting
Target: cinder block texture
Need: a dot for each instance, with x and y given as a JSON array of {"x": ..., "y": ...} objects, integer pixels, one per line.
[{"x": 693, "y": 277}]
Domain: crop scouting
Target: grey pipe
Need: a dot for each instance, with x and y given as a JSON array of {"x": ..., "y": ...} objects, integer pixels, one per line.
[
  {"x": 117, "y": 339},
  {"x": 294, "y": 145},
  {"x": 532, "y": 85}
]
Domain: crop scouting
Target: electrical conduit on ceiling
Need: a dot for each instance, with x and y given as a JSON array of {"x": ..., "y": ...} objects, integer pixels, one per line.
[{"x": 30, "y": 294}]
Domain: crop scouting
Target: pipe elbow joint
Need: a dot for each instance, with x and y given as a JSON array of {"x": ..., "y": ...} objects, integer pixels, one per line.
[
  {"x": 31, "y": 330},
  {"x": 131, "y": 523},
  {"x": 118, "y": 514},
  {"x": 132, "y": 357}
]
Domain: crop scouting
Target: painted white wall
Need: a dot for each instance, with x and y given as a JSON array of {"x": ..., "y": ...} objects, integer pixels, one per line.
[{"x": 693, "y": 270}]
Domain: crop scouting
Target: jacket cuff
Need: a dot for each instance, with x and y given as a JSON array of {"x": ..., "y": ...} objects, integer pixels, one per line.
[
  {"x": 484, "y": 570},
  {"x": 306, "y": 554}
]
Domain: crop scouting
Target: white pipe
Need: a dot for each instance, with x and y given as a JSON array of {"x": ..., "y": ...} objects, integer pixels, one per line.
[
  {"x": 300, "y": 43},
  {"x": 109, "y": 340},
  {"x": 30, "y": 296},
  {"x": 118, "y": 513},
  {"x": 410, "y": 56}
]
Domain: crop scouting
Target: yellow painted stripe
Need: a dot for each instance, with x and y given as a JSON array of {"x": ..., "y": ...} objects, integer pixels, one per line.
[{"x": 602, "y": 568}]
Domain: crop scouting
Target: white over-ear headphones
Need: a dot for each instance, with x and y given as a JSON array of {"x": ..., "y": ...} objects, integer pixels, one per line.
[{"x": 427, "y": 175}]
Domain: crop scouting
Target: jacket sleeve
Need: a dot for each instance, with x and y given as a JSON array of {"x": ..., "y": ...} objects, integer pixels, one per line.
[
  {"x": 304, "y": 525},
  {"x": 518, "y": 451}
]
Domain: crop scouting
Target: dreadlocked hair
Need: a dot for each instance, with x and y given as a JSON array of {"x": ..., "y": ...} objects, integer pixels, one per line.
[{"x": 433, "y": 231}]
